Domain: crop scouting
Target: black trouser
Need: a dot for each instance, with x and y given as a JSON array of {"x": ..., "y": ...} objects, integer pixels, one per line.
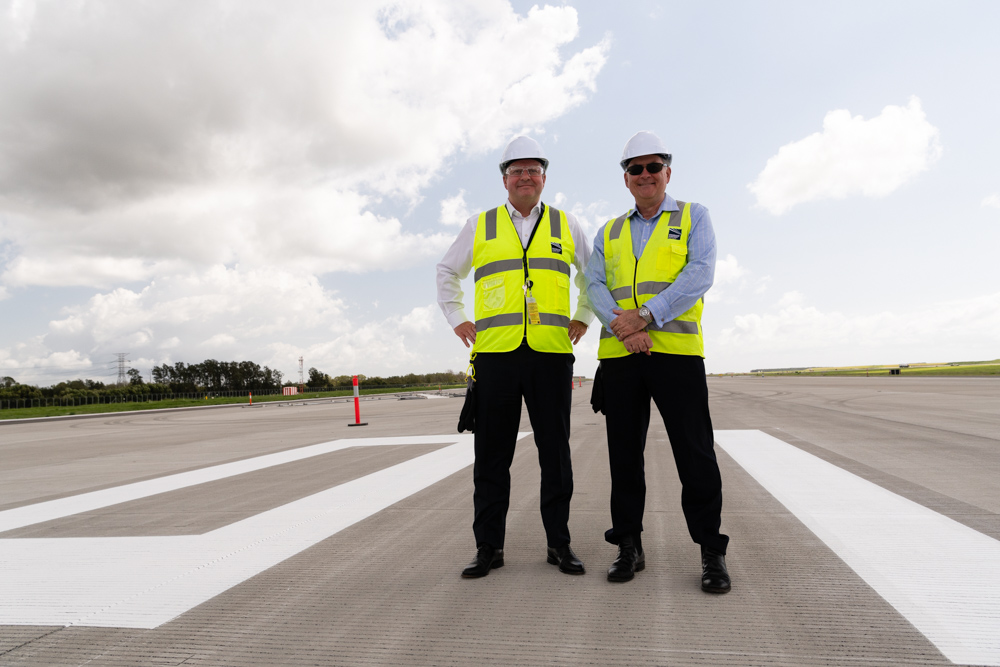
[
  {"x": 545, "y": 382},
  {"x": 677, "y": 384}
]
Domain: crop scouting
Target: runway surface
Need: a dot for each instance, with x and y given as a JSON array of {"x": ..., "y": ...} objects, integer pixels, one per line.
[{"x": 864, "y": 515}]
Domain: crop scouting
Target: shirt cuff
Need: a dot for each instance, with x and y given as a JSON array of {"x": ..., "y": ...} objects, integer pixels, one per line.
[
  {"x": 457, "y": 317},
  {"x": 585, "y": 315},
  {"x": 660, "y": 311}
]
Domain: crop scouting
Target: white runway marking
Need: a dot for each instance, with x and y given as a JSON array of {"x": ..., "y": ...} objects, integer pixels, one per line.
[
  {"x": 942, "y": 576},
  {"x": 85, "y": 502},
  {"x": 143, "y": 582}
]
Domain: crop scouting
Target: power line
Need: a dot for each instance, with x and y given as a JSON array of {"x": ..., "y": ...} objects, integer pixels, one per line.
[{"x": 122, "y": 377}]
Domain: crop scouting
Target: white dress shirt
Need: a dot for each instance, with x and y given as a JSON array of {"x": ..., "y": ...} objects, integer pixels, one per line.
[{"x": 457, "y": 263}]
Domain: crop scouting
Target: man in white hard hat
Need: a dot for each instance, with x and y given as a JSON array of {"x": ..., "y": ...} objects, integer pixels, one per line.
[
  {"x": 522, "y": 346},
  {"x": 647, "y": 276}
]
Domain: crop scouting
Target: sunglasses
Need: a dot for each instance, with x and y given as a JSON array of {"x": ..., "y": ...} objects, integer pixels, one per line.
[{"x": 652, "y": 167}]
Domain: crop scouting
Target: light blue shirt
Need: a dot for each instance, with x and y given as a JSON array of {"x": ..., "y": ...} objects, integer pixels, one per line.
[{"x": 691, "y": 284}]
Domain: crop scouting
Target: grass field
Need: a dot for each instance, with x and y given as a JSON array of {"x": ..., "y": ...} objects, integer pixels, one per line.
[
  {"x": 979, "y": 369},
  {"x": 965, "y": 369},
  {"x": 58, "y": 411}
]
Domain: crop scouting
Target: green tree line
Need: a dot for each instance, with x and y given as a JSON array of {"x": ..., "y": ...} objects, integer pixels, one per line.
[
  {"x": 211, "y": 376},
  {"x": 180, "y": 378},
  {"x": 319, "y": 381}
]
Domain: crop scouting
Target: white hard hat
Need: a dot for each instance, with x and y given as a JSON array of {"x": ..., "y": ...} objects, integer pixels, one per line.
[
  {"x": 522, "y": 148},
  {"x": 644, "y": 142}
]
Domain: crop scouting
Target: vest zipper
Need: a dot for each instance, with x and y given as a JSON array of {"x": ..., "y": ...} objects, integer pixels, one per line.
[
  {"x": 524, "y": 261},
  {"x": 635, "y": 271}
]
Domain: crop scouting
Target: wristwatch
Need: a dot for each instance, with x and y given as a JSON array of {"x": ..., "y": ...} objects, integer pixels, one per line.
[{"x": 645, "y": 314}]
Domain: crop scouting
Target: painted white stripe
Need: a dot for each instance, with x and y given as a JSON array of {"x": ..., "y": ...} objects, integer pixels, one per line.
[
  {"x": 85, "y": 502},
  {"x": 143, "y": 582},
  {"x": 942, "y": 576}
]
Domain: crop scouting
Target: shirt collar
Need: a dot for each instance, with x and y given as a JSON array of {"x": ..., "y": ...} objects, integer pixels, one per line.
[
  {"x": 668, "y": 204},
  {"x": 513, "y": 211}
]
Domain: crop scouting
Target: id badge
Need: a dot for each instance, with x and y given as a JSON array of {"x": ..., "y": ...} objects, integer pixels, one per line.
[{"x": 533, "y": 316}]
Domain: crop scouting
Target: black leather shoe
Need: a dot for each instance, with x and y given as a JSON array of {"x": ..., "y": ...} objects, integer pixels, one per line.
[
  {"x": 566, "y": 560},
  {"x": 631, "y": 559},
  {"x": 487, "y": 558},
  {"x": 714, "y": 575}
]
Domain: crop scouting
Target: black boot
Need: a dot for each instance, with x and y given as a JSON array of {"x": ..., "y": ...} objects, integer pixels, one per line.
[
  {"x": 487, "y": 558},
  {"x": 631, "y": 559},
  {"x": 565, "y": 559},
  {"x": 714, "y": 575}
]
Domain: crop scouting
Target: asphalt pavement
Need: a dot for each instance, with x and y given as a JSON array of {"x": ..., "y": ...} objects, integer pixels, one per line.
[{"x": 863, "y": 515}]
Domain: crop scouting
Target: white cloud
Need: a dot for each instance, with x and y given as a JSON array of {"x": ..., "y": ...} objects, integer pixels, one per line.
[
  {"x": 232, "y": 308},
  {"x": 801, "y": 335},
  {"x": 220, "y": 341},
  {"x": 15, "y": 28},
  {"x": 4, "y": 293},
  {"x": 269, "y": 316},
  {"x": 454, "y": 210},
  {"x": 728, "y": 271},
  {"x": 413, "y": 342},
  {"x": 421, "y": 319},
  {"x": 792, "y": 298},
  {"x": 851, "y": 156},
  {"x": 591, "y": 216},
  {"x": 993, "y": 201},
  {"x": 32, "y": 362},
  {"x": 731, "y": 278},
  {"x": 136, "y": 146}
]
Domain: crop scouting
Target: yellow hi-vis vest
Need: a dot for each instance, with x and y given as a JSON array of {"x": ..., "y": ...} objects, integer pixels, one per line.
[
  {"x": 634, "y": 282},
  {"x": 503, "y": 267}
]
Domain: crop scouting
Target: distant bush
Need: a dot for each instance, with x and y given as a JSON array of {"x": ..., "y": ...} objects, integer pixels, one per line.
[{"x": 319, "y": 381}]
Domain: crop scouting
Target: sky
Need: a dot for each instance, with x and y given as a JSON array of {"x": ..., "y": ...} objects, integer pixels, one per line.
[{"x": 266, "y": 181}]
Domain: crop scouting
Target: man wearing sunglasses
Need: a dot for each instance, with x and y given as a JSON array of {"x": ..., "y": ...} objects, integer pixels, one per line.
[
  {"x": 522, "y": 346},
  {"x": 647, "y": 278}
]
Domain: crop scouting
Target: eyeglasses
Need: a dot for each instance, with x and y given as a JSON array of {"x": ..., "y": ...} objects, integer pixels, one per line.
[
  {"x": 652, "y": 167},
  {"x": 517, "y": 172}
]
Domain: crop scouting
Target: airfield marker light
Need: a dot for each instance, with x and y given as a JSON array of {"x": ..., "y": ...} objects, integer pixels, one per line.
[{"x": 357, "y": 405}]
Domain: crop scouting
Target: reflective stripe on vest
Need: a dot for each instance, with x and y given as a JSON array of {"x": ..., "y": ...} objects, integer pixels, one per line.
[
  {"x": 634, "y": 282},
  {"x": 501, "y": 261}
]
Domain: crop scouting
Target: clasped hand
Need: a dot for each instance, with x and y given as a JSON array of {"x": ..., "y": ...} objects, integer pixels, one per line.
[
  {"x": 627, "y": 323},
  {"x": 630, "y": 328}
]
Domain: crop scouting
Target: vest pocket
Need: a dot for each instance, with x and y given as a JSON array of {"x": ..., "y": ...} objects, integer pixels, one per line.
[
  {"x": 671, "y": 259},
  {"x": 492, "y": 292},
  {"x": 551, "y": 290}
]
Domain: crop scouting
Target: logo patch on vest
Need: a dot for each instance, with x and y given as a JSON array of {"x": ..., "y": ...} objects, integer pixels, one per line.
[
  {"x": 673, "y": 232},
  {"x": 557, "y": 248}
]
